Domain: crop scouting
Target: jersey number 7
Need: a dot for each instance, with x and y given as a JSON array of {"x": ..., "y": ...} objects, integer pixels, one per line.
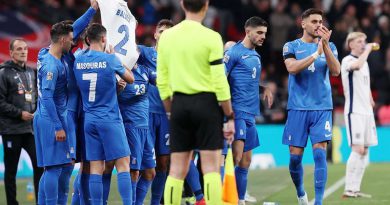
[{"x": 92, "y": 77}]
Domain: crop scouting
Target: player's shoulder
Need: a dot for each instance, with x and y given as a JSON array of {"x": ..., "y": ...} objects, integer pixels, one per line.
[
  {"x": 289, "y": 47},
  {"x": 348, "y": 59}
]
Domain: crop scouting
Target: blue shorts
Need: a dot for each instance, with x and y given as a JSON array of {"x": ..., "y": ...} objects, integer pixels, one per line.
[
  {"x": 105, "y": 140},
  {"x": 142, "y": 151},
  {"x": 301, "y": 125},
  {"x": 149, "y": 155},
  {"x": 49, "y": 151},
  {"x": 71, "y": 132},
  {"x": 245, "y": 125},
  {"x": 159, "y": 131}
]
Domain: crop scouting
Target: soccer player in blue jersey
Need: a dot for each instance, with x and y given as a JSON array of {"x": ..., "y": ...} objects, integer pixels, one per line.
[
  {"x": 50, "y": 124},
  {"x": 105, "y": 136},
  {"x": 309, "y": 60},
  {"x": 134, "y": 107},
  {"x": 243, "y": 67},
  {"x": 158, "y": 121}
]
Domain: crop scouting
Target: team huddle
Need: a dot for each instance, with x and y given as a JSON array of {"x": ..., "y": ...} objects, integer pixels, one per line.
[{"x": 147, "y": 119}]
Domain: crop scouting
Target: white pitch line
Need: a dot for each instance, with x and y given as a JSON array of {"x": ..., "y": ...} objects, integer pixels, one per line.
[{"x": 331, "y": 189}]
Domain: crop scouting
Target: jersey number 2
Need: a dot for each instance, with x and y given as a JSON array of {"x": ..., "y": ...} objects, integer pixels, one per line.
[
  {"x": 92, "y": 77},
  {"x": 119, "y": 47}
]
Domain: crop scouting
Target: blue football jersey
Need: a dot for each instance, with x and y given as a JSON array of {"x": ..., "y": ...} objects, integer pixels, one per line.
[
  {"x": 95, "y": 76},
  {"x": 309, "y": 89},
  {"x": 148, "y": 58},
  {"x": 51, "y": 83},
  {"x": 133, "y": 100},
  {"x": 243, "y": 68}
]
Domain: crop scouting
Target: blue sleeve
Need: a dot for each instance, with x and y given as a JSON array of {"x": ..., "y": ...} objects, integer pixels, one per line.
[
  {"x": 288, "y": 51},
  {"x": 334, "y": 50},
  {"x": 49, "y": 79},
  {"x": 81, "y": 23},
  {"x": 229, "y": 60},
  {"x": 116, "y": 65}
]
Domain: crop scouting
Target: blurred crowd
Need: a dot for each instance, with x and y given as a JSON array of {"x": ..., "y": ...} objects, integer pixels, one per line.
[{"x": 228, "y": 16}]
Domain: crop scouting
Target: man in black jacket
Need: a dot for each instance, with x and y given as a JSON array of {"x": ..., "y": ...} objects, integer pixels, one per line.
[{"x": 18, "y": 97}]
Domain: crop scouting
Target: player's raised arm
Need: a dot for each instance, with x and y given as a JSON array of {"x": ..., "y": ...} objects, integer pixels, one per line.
[
  {"x": 329, "y": 51},
  {"x": 82, "y": 22},
  {"x": 295, "y": 66}
]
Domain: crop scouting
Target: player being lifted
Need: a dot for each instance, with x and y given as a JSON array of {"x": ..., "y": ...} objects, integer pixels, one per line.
[
  {"x": 105, "y": 136},
  {"x": 358, "y": 110},
  {"x": 243, "y": 67},
  {"x": 309, "y": 60}
]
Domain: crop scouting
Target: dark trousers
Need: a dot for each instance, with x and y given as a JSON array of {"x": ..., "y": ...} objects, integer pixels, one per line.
[{"x": 13, "y": 145}]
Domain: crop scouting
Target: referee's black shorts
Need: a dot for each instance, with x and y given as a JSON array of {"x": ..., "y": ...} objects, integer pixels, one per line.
[{"x": 196, "y": 122}]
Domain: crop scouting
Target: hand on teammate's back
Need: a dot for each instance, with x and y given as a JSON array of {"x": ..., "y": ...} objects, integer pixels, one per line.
[
  {"x": 228, "y": 131},
  {"x": 60, "y": 135}
]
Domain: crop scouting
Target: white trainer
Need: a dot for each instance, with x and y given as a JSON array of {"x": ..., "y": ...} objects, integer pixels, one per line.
[
  {"x": 303, "y": 200},
  {"x": 363, "y": 195},
  {"x": 241, "y": 202},
  {"x": 349, "y": 194},
  {"x": 249, "y": 198}
]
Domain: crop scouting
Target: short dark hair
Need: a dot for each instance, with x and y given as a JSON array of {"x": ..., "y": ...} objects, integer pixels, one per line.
[
  {"x": 165, "y": 22},
  {"x": 194, "y": 5},
  {"x": 255, "y": 21},
  {"x": 311, "y": 11},
  {"x": 95, "y": 32},
  {"x": 12, "y": 43},
  {"x": 60, "y": 29}
]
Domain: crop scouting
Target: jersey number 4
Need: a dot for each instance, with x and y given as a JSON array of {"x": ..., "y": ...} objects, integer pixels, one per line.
[
  {"x": 312, "y": 68},
  {"x": 92, "y": 77}
]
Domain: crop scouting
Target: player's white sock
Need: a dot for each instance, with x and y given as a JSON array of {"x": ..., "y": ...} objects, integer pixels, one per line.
[
  {"x": 360, "y": 168},
  {"x": 350, "y": 176}
]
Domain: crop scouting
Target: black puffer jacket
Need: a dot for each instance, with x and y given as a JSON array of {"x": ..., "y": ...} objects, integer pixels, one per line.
[{"x": 14, "y": 82}]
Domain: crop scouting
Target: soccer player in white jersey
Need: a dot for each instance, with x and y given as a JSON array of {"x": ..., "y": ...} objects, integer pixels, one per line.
[{"x": 358, "y": 110}]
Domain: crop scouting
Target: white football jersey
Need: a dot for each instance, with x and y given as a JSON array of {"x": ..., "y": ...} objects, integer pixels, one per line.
[
  {"x": 356, "y": 85},
  {"x": 120, "y": 24}
]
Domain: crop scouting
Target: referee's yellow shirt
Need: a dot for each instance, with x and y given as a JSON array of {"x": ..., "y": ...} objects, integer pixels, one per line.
[{"x": 189, "y": 60}]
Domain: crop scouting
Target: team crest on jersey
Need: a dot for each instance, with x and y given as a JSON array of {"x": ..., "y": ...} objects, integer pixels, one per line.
[
  {"x": 49, "y": 76},
  {"x": 226, "y": 58},
  {"x": 285, "y": 49}
]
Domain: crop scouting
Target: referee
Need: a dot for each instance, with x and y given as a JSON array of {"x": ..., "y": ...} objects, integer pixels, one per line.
[{"x": 190, "y": 72}]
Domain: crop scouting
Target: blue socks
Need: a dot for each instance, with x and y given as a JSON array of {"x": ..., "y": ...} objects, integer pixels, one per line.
[
  {"x": 142, "y": 189},
  {"x": 134, "y": 188},
  {"x": 158, "y": 187},
  {"x": 320, "y": 174},
  {"x": 192, "y": 179},
  {"x": 76, "y": 191},
  {"x": 52, "y": 175},
  {"x": 296, "y": 172},
  {"x": 242, "y": 180},
  {"x": 96, "y": 189},
  {"x": 106, "y": 187},
  {"x": 63, "y": 184},
  {"x": 84, "y": 189},
  {"x": 41, "y": 190},
  {"x": 124, "y": 187}
]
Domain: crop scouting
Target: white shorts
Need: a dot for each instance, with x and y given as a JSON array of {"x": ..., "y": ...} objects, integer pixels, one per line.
[{"x": 361, "y": 130}]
